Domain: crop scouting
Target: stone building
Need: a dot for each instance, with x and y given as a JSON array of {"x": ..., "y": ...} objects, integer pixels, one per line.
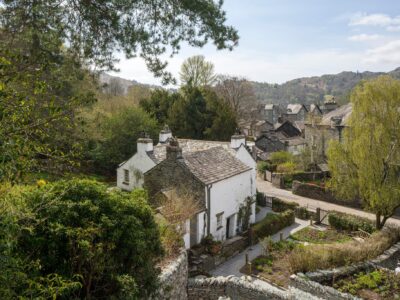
[
  {"x": 295, "y": 112},
  {"x": 271, "y": 113},
  {"x": 318, "y": 134},
  {"x": 219, "y": 181},
  {"x": 130, "y": 173}
]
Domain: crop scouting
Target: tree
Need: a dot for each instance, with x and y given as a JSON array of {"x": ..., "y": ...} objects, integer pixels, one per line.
[
  {"x": 197, "y": 72},
  {"x": 117, "y": 138},
  {"x": 238, "y": 93},
  {"x": 98, "y": 243},
  {"x": 367, "y": 163},
  {"x": 97, "y": 29}
]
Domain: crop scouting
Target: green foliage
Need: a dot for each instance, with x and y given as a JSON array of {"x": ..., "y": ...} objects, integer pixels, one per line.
[
  {"x": 260, "y": 198},
  {"x": 342, "y": 221},
  {"x": 192, "y": 113},
  {"x": 281, "y": 157},
  {"x": 366, "y": 164},
  {"x": 273, "y": 223},
  {"x": 287, "y": 167},
  {"x": 197, "y": 72},
  {"x": 303, "y": 213},
  {"x": 316, "y": 236},
  {"x": 244, "y": 213},
  {"x": 384, "y": 283},
  {"x": 144, "y": 28},
  {"x": 119, "y": 133},
  {"x": 75, "y": 239},
  {"x": 263, "y": 166},
  {"x": 279, "y": 205}
]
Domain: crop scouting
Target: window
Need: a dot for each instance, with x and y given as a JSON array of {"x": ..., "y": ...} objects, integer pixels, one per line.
[
  {"x": 126, "y": 176},
  {"x": 219, "y": 220}
]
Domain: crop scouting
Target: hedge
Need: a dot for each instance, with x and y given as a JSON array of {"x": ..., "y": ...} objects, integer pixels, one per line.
[
  {"x": 279, "y": 205},
  {"x": 342, "y": 221},
  {"x": 273, "y": 223},
  {"x": 303, "y": 213}
]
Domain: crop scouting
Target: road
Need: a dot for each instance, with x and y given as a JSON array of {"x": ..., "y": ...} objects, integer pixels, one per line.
[{"x": 267, "y": 188}]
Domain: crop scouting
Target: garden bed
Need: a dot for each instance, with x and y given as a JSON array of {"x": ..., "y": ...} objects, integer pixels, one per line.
[
  {"x": 377, "y": 284},
  {"x": 321, "y": 236}
]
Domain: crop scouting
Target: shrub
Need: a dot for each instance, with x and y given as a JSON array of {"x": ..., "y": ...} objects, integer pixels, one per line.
[
  {"x": 326, "y": 256},
  {"x": 279, "y": 205},
  {"x": 100, "y": 243},
  {"x": 287, "y": 167},
  {"x": 260, "y": 198},
  {"x": 273, "y": 223},
  {"x": 281, "y": 157},
  {"x": 263, "y": 166},
  {"x": 303, "y": 213},
  {"x": 342, "y": 221}
]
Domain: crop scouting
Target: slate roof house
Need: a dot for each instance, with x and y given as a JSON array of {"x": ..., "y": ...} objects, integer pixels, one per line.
[
  {"x": 221, "y": 175},
  {"x": 330, "y": 127},
  {"x": 295, "y": 112},
  {"x": 271, "y": 113}
]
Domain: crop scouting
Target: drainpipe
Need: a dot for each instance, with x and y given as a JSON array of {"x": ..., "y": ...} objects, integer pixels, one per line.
[{"x": 208, "y": 208}]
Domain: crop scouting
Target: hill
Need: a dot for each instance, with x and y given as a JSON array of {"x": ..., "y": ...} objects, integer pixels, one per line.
[{"x": 309, "y": 90}]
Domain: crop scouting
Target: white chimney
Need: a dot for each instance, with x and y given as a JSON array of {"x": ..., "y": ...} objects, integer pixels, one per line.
[
  {"x": 237, "y": 140},
  {"x": 144, "y": 145},
  {"x": 164, "y": 135}
]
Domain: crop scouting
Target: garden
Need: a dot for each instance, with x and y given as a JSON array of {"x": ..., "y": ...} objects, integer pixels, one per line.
[{"x": 347, "y": 240}]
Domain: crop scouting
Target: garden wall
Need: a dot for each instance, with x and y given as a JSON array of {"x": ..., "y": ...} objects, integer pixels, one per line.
[
  {"x": 234, "y": 288},
  {"x": 277, "y": 179},
  {"x": 174, "y": 279},
  {"x": 319, "y": 193}
]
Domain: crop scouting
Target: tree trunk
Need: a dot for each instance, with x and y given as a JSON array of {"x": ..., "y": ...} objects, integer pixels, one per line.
[{"x": 378, "y": 221}]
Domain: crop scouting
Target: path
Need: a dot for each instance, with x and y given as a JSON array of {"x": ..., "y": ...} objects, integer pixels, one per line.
[
  {"x": 233, "y": 265},
  {"x": 267, "y": 188}
]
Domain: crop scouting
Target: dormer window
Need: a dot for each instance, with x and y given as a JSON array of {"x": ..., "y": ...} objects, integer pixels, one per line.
[{"x": 126, "y": 176}]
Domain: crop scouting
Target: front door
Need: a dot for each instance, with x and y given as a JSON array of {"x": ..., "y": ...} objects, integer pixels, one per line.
[
  {"x": 193, "y": 231},
  {"x": 228, "y": 221}
]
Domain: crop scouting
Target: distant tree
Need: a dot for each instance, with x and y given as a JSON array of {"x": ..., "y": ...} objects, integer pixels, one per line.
[
  {"x": 97, "y": 29},
  {"x": 77, "y": 240},
  {"x": 200, "y": 114},
  {"x": 238, "y": 93},
  {"x": 197, "y": 72},
  {"x": 367, "y": 163},
  {"x": 159, "y": 104},
  {"x": 114, "y": 87},
  {"x": 118, "y": 134}
]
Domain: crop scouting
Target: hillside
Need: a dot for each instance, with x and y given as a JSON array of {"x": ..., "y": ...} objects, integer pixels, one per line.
[{"x": 312, "y": 89}]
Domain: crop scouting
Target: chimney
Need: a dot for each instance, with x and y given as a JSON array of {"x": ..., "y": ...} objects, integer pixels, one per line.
[
  {"x": 174, "y": 152},
  {"x": 164, "y": 135},
  {"x": 144, "y": 144},
  {"x": 237, "y": 140}
]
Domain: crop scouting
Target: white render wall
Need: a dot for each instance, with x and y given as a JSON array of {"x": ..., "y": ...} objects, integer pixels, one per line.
[
  {"x": 139, "y": 163},
  {"x": 245, "y": 157},
  {"x": 226, "y": 196}
]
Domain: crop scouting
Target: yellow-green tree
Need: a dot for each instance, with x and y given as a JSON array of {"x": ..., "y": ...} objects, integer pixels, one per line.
[{"x": 367, "y": 162}]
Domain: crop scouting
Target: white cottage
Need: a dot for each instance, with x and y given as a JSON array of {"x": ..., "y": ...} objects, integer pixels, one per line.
[
  {"x": 130, "y": 173},
  {"x": 223, "y": 184}
]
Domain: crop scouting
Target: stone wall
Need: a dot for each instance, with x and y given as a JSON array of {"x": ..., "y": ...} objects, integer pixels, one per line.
[
  {"x": 277, "y": 179},
  {"x": 173, "y": 280},
  {"x": 316, "y": 192},
  {"x": 234, "y": 287}
]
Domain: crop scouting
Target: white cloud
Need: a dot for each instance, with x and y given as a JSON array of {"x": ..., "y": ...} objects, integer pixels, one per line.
[
  {"x": 386, "y": 54},
  {"x": 381, "y": 20},
  {"x": 364, "y": 37}
]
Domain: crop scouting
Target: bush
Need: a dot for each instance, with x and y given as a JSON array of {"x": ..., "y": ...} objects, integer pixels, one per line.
[
  {"x": 303, "y": 213},
  {"x": 100, "y": 243},
  {"x": 327, "y": 256},
  {"x": 279, "y": 205},
  {"x": 260, "y": 198},
  {"x": 287, "y": 167},
  {"x": 263, "y": 166},
  {"x": 342, "y": 221},
  {"x": 281, "y": 157},
  {"x": 273, "y": 223}
]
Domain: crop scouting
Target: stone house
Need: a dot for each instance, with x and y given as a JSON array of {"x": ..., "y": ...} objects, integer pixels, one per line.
[
  {"x": 315, "y": 110},
  {"x": 288, "y": 129},
  {"x": 222, "y": 184},
  {"x": 295, "y": 112},
  {"x": 330, "y": 127},
  {"x": 329, "y": 104},
  {"x": 130, "y": 173},
  {"x": 271, "y": 113}
]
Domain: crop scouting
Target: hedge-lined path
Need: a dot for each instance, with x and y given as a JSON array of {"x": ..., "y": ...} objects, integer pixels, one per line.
[
  {"x": 267, "y": 188},
  {"x": 233, "y": 265}
]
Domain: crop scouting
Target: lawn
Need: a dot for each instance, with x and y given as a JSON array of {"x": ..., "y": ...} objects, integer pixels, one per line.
[
  {"x": 378, "y": 284},
  {"x": 317, "y": 236}
]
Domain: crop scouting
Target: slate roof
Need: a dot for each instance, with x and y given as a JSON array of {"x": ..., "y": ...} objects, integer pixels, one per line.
[
  {"x": 294, "y": 108},
  {"x": 314, "y": 107},
  {"x": 269, "y": 106},
  {"x": 341, "y": 114},
  {"x": 213, "y": 164},
  {"x": 188, "y": 146}
]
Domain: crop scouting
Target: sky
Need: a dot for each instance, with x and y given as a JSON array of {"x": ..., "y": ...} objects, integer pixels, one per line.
[{"x": 282, "y": 40}]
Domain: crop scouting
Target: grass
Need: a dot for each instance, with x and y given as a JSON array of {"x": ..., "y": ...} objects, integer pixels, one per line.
[
  {"x": 315, "y": 236},
  {"x": 378, "y": 284},
  {"x": 327, "y": 256}
]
